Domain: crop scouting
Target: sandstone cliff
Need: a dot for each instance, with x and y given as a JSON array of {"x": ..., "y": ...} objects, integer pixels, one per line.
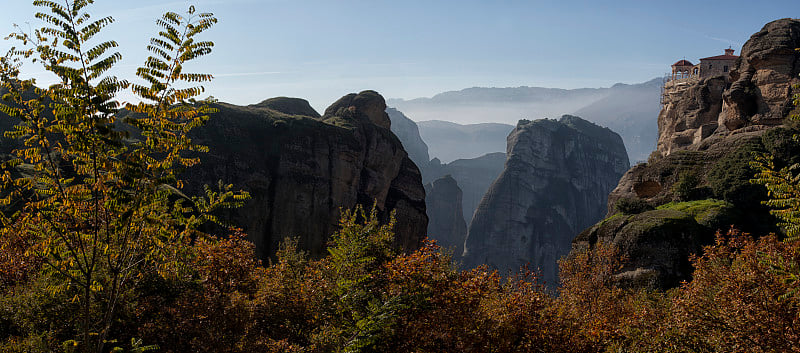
[
  {"x": 756, "y": 95},
  {"x": 761, "y": 89},
  {"x": 446, "y": 225},
  {"x": 301, "y": 168},
  {"x": 715, "y": 115},
  {"x": 708, "y": 130},
  {"x": 556, "y": 180}
]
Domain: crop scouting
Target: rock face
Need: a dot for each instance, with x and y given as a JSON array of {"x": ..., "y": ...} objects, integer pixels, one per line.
[
  {"x": 446, "y": 226},
  {"x": 762, "y": 80},
  {"x": 707, "y": 132},
  {"x": 474, "y": 176},
  {"x": 623, "y": 108},
  {"x": 717, "y": 114},
  {"x": 756, "y": 95},
  {"x": 301, "y": 168},
  {"x": 408, "y": 132},
  {"x": 690, "y": 114},
  {"x": 555, "y": 183},
  {"x": 288, "y": 105},
  {"x": 657, "y": 244}
]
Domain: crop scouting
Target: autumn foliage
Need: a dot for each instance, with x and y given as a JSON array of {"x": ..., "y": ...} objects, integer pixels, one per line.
[
  {"x": 99, "y": 253},
  {"x": 363, "y": 297}
]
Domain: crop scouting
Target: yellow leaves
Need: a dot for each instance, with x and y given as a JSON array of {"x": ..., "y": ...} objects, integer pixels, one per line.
[{"x": 86, "y": 202}]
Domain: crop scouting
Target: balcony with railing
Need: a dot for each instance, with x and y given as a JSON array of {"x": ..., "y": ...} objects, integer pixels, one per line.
[{"x": 677, "y": 82}]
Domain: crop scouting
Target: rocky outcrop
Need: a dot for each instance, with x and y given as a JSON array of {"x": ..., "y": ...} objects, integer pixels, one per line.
[
  {"x": 690, "y": 113},
  {"x": 657, "y": 244},
  {"x": 761, "y": 89},
  {"x": 709, "y": 119},
  {"x": 627, "y": 109},
  {"x": 302, "y": 168},
  {"x": 754, "y": 97},
  {"x": 474, "y": 177},
  {"x": 655, "y": 180},
  {"x": 708, "y": 130},
  {"x": 556, "y": 182},
  {"x": 446, "y": 226},
  {"x": 408, "y": 132},
  {"x": 288, "y": 105}
]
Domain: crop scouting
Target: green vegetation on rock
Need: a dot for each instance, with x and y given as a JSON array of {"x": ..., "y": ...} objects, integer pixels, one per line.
[{"x": 709, "y": 212}]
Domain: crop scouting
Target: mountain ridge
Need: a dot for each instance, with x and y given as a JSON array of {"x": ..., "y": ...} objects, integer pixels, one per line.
[{"x": 629, "y": 109}]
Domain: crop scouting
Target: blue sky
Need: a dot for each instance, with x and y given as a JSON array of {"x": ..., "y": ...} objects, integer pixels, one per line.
[{"x": 323, "y": 49}]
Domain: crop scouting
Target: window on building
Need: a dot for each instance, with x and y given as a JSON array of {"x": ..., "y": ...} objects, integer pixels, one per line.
[
  {"x": 725, "y": 68},
  {"x": 710, "y": 66}
]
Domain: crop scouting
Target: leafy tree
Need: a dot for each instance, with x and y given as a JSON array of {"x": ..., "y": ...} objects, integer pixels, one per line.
[
  {"x": 90, "y": 197},
  {"x": 364, "y": 314},
  {"x": 783, "y": 184}
]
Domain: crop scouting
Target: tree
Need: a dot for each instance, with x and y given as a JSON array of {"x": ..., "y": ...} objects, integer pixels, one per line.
[
  {"x": 94, "y": 198},
  {"x": 783, "y": 184}
]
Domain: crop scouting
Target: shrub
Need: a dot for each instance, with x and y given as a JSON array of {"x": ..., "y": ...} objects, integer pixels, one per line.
[
  {"x": 632, "y": 205},
  {"x": 738, "y": 301},
  {"x": 685, "y": 189}
]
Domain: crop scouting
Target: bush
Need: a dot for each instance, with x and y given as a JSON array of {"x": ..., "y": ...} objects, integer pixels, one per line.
[
  {"x": 685, "y": 189},
  {"x": 729, "y": 178},
  {"x": 632, "y": 205}
]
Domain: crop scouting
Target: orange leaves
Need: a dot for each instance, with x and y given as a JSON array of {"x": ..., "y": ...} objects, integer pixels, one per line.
[
  {"x": 739, "y": 296},
  {"x": 17, "y": 262}
]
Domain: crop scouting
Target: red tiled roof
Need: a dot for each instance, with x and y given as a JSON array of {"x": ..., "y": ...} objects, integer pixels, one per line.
[
  {"x": 683, "y": 62},
  {"x": 721, "y": 57}
]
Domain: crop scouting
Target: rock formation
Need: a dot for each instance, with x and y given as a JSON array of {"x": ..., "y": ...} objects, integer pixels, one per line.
[
  {"x": 408, "y": 132},
  {"x": 761, "y": 89},
  {"x": 707, "y": 132},
  {"x": 627, "y": 109},
  {"x": 690, "y": 113},
  {"x": 288, "y": 105},
  {"x": 754, "y": 97},
  {"x": 446, "y": 225},
  {"x": 717, "y": 114},
  {"x": 657, "y": 244},
  {"x": 556, "y": 180},
  {"x": 474, "y": 176},
  {"x": 301, "y": 168}
]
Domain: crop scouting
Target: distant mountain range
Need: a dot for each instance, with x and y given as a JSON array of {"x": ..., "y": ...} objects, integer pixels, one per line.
[
  {"x": 630, "y": 110},
  {"x": 449, "y": 141}
]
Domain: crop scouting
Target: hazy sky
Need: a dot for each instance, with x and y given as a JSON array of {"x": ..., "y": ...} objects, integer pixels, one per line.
[{"x": 323, "y": 49}]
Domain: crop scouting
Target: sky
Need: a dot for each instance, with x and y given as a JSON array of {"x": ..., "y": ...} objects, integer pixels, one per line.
[{"x": 321, "y": 50}]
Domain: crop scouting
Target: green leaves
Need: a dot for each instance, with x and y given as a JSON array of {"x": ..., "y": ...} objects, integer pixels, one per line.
[
  {"x": 783, "y": 185},
  {"x": 174, "y": 46},
  {"x": 98, "y": 207}
]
